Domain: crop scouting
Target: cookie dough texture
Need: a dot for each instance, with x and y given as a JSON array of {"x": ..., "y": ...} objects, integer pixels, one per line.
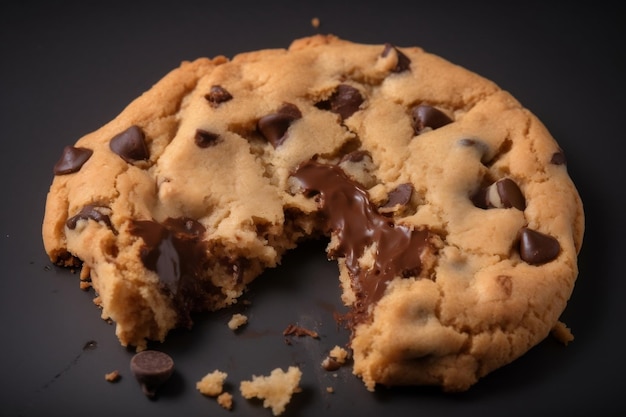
[{"x": 189, "y": 194}]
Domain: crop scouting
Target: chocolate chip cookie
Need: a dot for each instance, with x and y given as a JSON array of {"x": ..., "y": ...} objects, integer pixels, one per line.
[{"x": 446, "y": 204}]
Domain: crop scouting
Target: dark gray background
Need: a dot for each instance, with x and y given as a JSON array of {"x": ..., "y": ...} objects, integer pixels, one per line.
[{"x": 70, "y": 67}]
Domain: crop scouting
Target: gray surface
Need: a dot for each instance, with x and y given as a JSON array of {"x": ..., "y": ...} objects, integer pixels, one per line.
[{"x": 69, "y": 68}]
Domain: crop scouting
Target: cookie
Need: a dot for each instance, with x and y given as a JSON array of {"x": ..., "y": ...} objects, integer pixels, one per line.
[{"x": 447, "y": 204}]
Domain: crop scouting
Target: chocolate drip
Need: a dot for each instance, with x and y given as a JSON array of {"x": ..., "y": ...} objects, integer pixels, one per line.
[
  {"x": 354, "y": 220},
  {"x": 174, "y": 250}
]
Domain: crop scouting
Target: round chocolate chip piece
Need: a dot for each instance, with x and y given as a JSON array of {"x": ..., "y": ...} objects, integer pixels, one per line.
[{"x": 151, "y": 369}]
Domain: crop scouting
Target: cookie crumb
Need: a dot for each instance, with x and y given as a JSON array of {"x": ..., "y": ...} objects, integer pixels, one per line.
[
  {"x": 275, "y": 390},
  {"x": 236, "y": 321},
  {"x": 562, "y": 333},
  {"x": 85, "y": 273},
  {"x": 335, "y": 359},
  {"x": 112, "y": 376},
  {"x": 212, "y": 384},
  {"x": 84, "y": 285},
  {"x": 225, "y": 400},
  {"x": 330, "y": 390},
  {"x": 315, "y": 22}
]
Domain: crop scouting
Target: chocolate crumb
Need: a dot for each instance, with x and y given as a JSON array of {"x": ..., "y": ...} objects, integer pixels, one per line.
[{"x": 293, "y": 330}]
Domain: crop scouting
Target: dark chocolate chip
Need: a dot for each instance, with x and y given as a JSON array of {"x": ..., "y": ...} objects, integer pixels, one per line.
[
  {"x": 509, "y": 195},
  {"x": 537, "y": 248},
  {"x": 89, "y": 212},
  {"x": 71, "y": 160},
  {"x": 558, "y": 158},
  {"x": 274, "y": 126},
  {"x": 480, "y": 198},
  {"x": 504, "y": 193},
  {"x": 217, "y": 95},
  {"x": 344, "y": 101},
  {"x": 151, "y": 369},
  {"x": 130, "y": 145},
  {"x": 428, "y": 116},
  {"x": 401, "y": 195},
  {"x": 403, "y": 64},
  {"x": 204, "y": 139}
]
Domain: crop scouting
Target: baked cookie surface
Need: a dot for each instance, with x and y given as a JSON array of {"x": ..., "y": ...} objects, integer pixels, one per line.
[{"x": 448, "y": 205}]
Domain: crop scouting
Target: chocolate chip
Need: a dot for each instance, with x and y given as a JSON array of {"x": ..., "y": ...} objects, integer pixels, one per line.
[
  {"x": 217, "y": 95},
  {"x": 344, "y": 101},
  {"x": 480, "y": 198},
  {"x": 425, "y": 116},
  {"x": 274, "y": 126},
  {"x": 403, "y": 64},
  {"x": 537, "y": 248},
  {"x": 503, "y": 193},
  {"x": 558, "y": 158},
  {"x": 401, "y": 195},
  {"x": 71, "y": 160},
  {"x": 89, "y": 212},
  {"x": 130, "y": 145},
  {"x": 204, "y": 139},
  {"x": 151, "y": 369}
]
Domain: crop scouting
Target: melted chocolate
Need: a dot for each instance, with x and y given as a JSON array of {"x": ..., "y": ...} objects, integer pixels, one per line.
[
  {"x": 89, "y": 212},
  {"x": 354, "y": 220},
  {"x": 174, "y": 250}
]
